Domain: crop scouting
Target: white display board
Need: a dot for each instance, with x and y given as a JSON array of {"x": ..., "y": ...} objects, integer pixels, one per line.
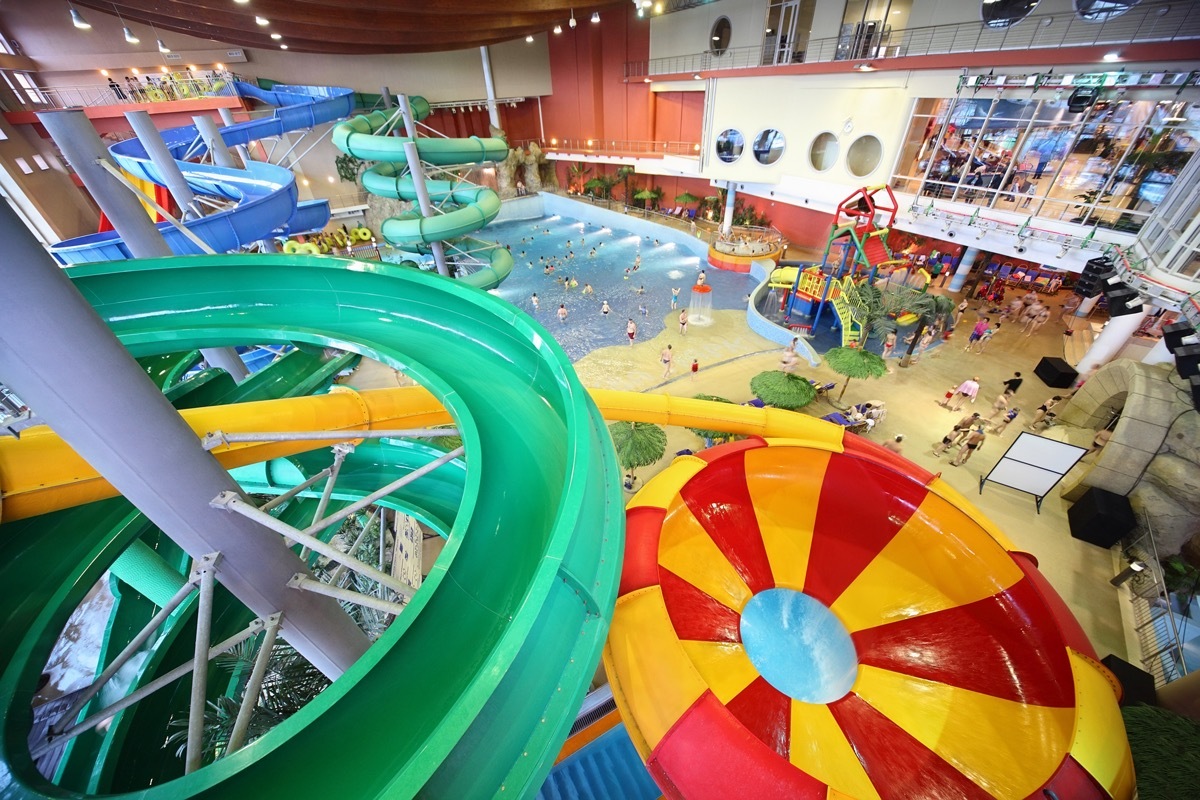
[{"x": 1034, "y": 464}]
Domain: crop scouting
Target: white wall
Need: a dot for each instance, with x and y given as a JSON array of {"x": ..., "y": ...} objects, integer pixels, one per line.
[{"x": 687, "y": 32}]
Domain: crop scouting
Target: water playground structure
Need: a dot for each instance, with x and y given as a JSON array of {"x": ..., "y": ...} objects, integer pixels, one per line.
[{"x": 909, "y": 599}]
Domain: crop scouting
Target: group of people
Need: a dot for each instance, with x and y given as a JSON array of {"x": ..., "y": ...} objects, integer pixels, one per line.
[{"x": 155, "y": 88}]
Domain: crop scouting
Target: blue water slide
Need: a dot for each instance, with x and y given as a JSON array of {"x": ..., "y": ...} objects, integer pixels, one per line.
[{"x": 265, "y": 194}]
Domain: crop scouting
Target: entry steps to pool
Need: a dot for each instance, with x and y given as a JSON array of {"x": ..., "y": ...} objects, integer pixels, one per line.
[{"x": 606, "y": 769}]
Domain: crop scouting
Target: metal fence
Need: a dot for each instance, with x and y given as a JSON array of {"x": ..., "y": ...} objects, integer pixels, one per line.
[
  {"x": 1155, "y": 619},
  {"x": 1147, "y": 22},
  {"x": 614, "y": 147},
  {"x": 163, "y": 88}
]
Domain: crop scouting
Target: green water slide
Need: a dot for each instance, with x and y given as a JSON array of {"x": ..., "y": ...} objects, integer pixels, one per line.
[
  {"x": 473, "y": 688},
  {"x": 465, "y": 208}
]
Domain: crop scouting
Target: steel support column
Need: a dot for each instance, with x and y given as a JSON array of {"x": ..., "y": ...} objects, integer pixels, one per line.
[
  {"x": 82, "y": 381},
  {"x": 417, "y": 170},
  {"x": 216, "y": 143},
  {"x": 489, "y": 85},
  {"x": 152, "y": 140}
]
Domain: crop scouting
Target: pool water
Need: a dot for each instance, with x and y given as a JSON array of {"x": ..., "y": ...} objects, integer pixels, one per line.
[{"x": 662, "y": 268}]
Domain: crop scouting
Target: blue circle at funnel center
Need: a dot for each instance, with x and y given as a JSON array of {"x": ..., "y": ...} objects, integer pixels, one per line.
[{"x": 799, "y": 646}]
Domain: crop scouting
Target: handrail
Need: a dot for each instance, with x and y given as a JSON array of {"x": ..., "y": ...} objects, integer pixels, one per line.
[
  {"x": 1157, "y": 633},
  {"x": 164, "y": 87},
  {"x": 620, "y": 146},
  {"x": 1146, "y": 22}
]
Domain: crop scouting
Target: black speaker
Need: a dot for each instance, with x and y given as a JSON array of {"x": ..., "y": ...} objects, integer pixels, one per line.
[
  {"x": 1187, "y": 360},
  {"x": 1123, "y": 300},
  {"x": 1101, "y": 517},
  {"x": 1082, "y": 98},
  {"x": 1195, "y": 382},
  {"x": 1092, "y": 280},
  {"x": 1056, "y": 372},
  {"x": 1176, "y": 332},
  {"x": 1137, "y": 685}
]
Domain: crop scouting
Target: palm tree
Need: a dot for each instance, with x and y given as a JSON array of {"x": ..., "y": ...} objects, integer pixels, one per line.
[
  {"x": 783, "y": 390},
  {"x": 577, "y": 172},
  {"x": 875, "y": 308},
  {"x": 638, "y": 444},
  {"x": 929, "y": 308},
  {"x": 624, "y": 173},
  {"x": 854, "y": 362}
]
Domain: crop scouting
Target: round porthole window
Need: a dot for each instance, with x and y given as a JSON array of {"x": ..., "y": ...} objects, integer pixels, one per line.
[
  {"x": 823, "y": 151},
  {"x": 718, "y": 39},
  {"x": 1003, "y": 13},
  {"x": 730, "y": 145},
  {"x": 863, "y": 155},
  {"x": 768, "y": 146}
]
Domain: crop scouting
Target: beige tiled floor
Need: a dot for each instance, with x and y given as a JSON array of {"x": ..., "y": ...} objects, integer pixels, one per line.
[{"x": 730, "y": 355}]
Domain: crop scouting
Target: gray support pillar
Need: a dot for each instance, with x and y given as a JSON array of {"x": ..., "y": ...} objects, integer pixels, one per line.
[
  {"x": 226, "y": 358},
  {"x": 963, "y": 269},
  {"x": 83, "y": 382},
  {"x": 418, "y": 175},
  {"x": 389, "y": 102},
  {"x": 227, "y": 120},
  {"x": 81, "y": 146},
  {"x": 212, "y": 137},
  {"x": 489, "y": 84},
  {"x": 727, "y": 216},
  {"x": 152, "y": 140}
]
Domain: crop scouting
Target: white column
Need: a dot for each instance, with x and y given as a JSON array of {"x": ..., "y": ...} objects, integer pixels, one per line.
[
  {"x": 963, "y": 269},
  {"x": 1159, "y": 354},
  {"x": 727, "y": 216},
  {"x": 1111, "y": 340},
  {"x": 1086, "y": 305}
]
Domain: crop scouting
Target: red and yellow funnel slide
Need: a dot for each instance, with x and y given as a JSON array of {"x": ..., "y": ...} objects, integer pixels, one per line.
[{"x": 820, "y": 618}]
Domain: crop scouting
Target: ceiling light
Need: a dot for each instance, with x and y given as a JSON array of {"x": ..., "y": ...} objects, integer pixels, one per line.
[
  {"x": 658, "y": 8},
  {"x": 242, "y": 3},
  {"x": 572, "y": 21},
  {"x": 770, "y": 30},
  {"x": 331, "y": 179},
  {"x": 276, "y": 36},
  {"x": 558, "y": 28},
  {"x": 1114, "y": 56},
  {"x": 529, "y": 38},
  {"x": 716, "y": 38},
  {"x": 191, "y": 67},
  {"x": 78, "y": 21},
  {"x": 647, "y": 3},
  {"x": 696, "y": 77},
  {"x": 162, "y": 48},
  {"x": 595, "y": 16},
  {"x": 864, "y": 68},
  {"x": 641, "y": 13},
  {"x": 645, "y": 80},
  {"x": 219, "y": 66},
  {"x": 104, "y": 72},
  {"x": 129, "y": 37},
  {"x": 261, "y": 21},
  {"x": 162, "y": 69},
  {"x": 283, "y": 47},
  {"x": 135, "y": 71}
]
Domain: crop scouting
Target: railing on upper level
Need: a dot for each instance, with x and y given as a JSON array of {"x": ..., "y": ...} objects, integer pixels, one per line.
[
  {"x": 162, "y": 88},
  {"x": 614, "y": 147},
  {"x": 1147, "y": 22}
]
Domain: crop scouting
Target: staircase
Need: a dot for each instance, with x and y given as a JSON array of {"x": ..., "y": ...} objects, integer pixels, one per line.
[{"x": 607, "y": 769}]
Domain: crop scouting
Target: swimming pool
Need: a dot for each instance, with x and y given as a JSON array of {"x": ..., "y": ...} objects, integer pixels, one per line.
[{"x": 662, "y": 268}]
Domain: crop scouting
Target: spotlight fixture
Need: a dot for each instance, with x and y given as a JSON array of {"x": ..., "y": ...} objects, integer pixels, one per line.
[
  {"x": 162, "y": 48},
  {"x": 658, "y": 8},
  {"x": 558, "y": 29},
  {"x": 78, "y": 21},
  {"x": 247, "y": 2},
  {"x": 277, "y": 36},
  {"x": 283, "y": 47},
  {"x": 1063, "y": 252},
  {"x": 529, "y": 38},
  {"x": 135, "y": 71},
  {"x": 864, "y": 67},
  {"x": 696, "y": 77},
  {"x": 104, "y": 72},
  {"x": 572, "y": 21},
  {"x": 163, "y": 70},
  {"x": 595, "y": 16},
  {"x": 261, "y": 21},
  {"x": 645, "y": 80},
  {"x": 129, "y": 37},
  {"x": 219, "y": 66},
  {"x": 1113, "y": 56},
  {"x": 331, "y": 179}
]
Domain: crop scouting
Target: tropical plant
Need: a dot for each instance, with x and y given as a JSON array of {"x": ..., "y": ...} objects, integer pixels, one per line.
[
  {"x": 349, "y": 167},
  {"x": 624, "y": 173},
  {"x": 873, "y": 308},
  {"x": 929, "y": 308},
  {"x": 1089, "y": 199},
  {"x": 638, "y": 444},
  {"x": 577, "y": 176},
  {"x": 712, "y": 437},
  {"x": 783, "y": 390},
  {"x": 1164, "y": 747},
  {"x": 601, "y": 186},
  {"x": 1179, "y": 575},
  {"x": 854, "y": 362}
]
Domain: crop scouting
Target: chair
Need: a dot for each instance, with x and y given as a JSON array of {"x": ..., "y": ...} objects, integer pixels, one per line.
[
  {"x": 691, "y": 214},
  {"x": 838, "y": 418},
  {"x": 756, "y": 403},
  {"x": 675, "y": 211}
]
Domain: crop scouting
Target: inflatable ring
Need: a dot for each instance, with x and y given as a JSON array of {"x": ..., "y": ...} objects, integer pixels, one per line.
[
  {"x": 362, "y": 234},
  {"x": 809, "y": 621},
  {"x": 309, "y": 247},
  {"x": 323, "y": 245},
  {"x": 291, "y": 246},
  {"x": 339, "y": 238}
]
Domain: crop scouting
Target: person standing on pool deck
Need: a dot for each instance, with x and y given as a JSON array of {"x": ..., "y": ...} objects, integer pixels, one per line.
[
  {"x": 562, "y": 313},
  {"x": 631, "y": 331},
  {"x": 535, "y": 301},
  {"x": 604, "y": 309},
  {"x": 666, "y": 357},
  {"x": 675, "y": 298},
  {"x": 1012, "y": 384},
  {"x": 695, "y": 367},
  {"x": 683, "y": 322},
  {"x": 973, "y": 443}
]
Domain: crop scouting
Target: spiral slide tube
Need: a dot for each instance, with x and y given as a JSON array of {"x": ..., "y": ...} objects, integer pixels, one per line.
[
  {"x": 266, "y": 194},
  {"x": 468, "y": 208},
  {"x": 470, "y": 693}
]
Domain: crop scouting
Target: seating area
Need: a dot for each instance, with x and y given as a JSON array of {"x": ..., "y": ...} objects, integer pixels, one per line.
[{"x": 1042, "y": 280}]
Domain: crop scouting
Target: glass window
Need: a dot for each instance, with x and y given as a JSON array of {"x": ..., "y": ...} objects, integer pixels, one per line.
[
  {"x": 1003, "y": 13},
  {"x": 730, "y": 145},
  {"x": 823, "y": 151},
  {"x": 863, "y": 155},
  {"x": 720, "y": 35},
  {"x": 768, "y": 146}
]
